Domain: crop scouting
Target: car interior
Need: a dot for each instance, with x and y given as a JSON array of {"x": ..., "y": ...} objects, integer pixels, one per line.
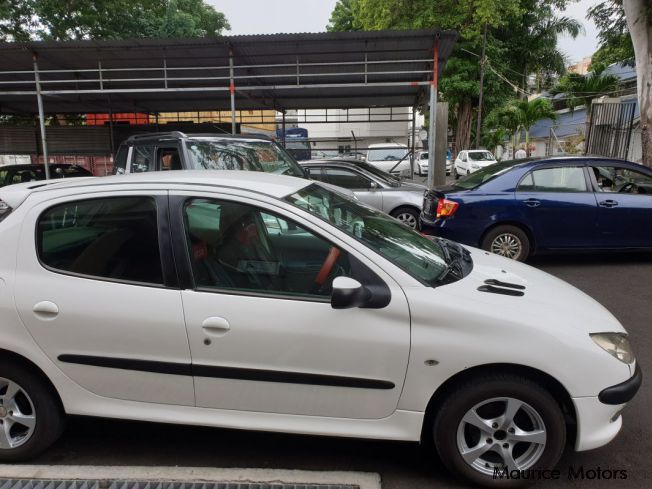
[
  {"x": 235, "y": 246},
  {"x": 622, "y": 180}
]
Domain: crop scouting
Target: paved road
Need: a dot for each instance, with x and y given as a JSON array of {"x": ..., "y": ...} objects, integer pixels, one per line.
[{"x": 623, "y": 284}]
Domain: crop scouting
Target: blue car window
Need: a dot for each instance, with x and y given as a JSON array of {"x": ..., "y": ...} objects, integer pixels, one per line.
[{"x": 561, "y": 179}]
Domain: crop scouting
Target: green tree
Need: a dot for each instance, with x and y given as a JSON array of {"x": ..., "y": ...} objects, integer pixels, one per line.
[
  {"x": 61, "y": 20},
  {"x": 615, "y": 42},
  {"x": 530, "y": 112},
  {"x": 506, "y": 118},
  {"x": 582, "y": 89},
  {"x": 344, "y": 18}
]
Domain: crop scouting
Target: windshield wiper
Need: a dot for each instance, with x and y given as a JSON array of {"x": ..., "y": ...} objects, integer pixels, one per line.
[{"x": 456, "y": 256}]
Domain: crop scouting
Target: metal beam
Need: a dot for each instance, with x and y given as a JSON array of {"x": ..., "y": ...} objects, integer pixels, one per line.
[
  {"x": 232, "y": 91},
  {"x": 41, "y": 117}
]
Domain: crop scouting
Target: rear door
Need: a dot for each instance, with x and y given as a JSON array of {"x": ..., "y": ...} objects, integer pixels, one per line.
[
  {"x": 624, "y": 198},
  {"x": 559, "y": 206},
  {"x": 97, "y": 295}
]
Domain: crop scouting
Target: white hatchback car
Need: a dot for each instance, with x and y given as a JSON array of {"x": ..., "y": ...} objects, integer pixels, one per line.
[
  {"x": 254, "y": 301},
  {"x": 469, "y": 161}
]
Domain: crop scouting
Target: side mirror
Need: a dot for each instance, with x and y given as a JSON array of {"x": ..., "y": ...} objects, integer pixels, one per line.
[
  {"x": 374, "y": 185},
  {"x": 349, "y": 293}
]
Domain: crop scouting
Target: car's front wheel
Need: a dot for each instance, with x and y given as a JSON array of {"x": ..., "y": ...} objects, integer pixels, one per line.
[
  {"x": 508, "y": 241},
  {"x": 30, "y": 416},
  {"x": 497, "y": 423},
  {"x": 407, "y": 215}
]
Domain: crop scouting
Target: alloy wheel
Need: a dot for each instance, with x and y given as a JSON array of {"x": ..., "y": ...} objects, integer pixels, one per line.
[
  {"x": 508, "y": 245},
  {"x": 17, "y": 415},
  {"x": 501, "y": 433},
  {"x": 407, "y": 218}
]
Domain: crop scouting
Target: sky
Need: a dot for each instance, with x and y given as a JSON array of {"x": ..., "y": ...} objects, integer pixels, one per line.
[{"x": 273, "y": 16}]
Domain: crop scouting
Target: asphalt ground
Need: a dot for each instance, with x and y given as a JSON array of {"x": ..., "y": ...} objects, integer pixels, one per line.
[{"x": 623, "y": 283}]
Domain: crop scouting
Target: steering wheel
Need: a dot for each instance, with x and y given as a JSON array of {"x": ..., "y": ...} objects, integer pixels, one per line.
[
  {"x": 327, "y": 266},
  {"x": 628, "y": 188}
]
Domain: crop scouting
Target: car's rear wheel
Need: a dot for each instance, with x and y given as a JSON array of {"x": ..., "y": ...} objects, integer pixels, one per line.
[
  {"x": 508, "y": 241},
  {"x": 407, "y": 215},
  {"x": 457, "y": 173},
  {"x": 498, "y": 422},
  {"x": 30, "y": 415}
]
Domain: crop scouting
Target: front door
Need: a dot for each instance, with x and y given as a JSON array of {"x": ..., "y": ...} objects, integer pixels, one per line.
[
  {"x": 624, "y": 200},
  {"x": 262, "y": 332},
  {"x": 92, "y": 293},
  {"x": 364, "y": 188},
  {"x": 559, "y": 207}
]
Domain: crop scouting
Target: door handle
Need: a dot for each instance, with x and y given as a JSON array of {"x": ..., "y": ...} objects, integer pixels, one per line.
[
  {"x": 532, "y": 203},
  {"x": 608, "y": 203},
  {"x": 216, "y": 326},
  {"x": 46, "y": 310}
]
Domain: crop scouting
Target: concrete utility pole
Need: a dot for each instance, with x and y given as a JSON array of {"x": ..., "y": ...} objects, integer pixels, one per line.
[
  {"x": 482, "y": 63},
  {"x": 432, "y": 122}
]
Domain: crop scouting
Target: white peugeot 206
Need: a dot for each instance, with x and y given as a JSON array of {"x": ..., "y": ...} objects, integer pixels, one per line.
[{"x": 264, "y": 302}]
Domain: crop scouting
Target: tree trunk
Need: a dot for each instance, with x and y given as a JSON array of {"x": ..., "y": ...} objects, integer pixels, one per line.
[
  {"x": 639, "y": 22},
  {"x": 527, "y": 142},
  {"x": 464, "y": 119}
]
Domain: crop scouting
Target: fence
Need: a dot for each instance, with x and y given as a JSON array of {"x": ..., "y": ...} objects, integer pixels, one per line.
[{"x": 609, "y": 131}]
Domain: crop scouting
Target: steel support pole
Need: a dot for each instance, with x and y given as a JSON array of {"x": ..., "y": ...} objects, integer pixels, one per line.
[
  {"x": 413, "y": 145},
  {"x": 232, "y": 91},
  {"x": 432, "y": 120},
  {"x": 41, "y": 117},
  {"x": 283, "y": 128}
]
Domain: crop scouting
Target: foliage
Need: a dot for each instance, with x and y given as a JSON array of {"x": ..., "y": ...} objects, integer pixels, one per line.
[
  {"x": 108, "y": 19},
  {"x": 615, "y": 42},
  {"x": 344, "y": 17},
  {"x": 582, "y": 89}
]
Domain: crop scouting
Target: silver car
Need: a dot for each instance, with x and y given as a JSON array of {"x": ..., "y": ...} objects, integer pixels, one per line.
[{"x": 372, "y": 186}]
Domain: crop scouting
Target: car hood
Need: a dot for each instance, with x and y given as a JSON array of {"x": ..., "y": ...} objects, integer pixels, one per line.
[{"x": 546, "y": 301}]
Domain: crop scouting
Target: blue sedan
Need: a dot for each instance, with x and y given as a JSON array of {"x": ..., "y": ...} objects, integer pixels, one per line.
[{"x": 524, "y": 207}]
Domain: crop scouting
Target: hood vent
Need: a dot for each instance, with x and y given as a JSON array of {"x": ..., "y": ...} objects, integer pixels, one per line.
[{"x": 504, "y": 288}]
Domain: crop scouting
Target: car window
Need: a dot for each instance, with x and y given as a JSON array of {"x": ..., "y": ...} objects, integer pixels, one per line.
[
  {"x": 315, "y": 173},
  {"x": 142, "y": 159},
  {"x": 386, "y": 154},
  {"x": 238, "y": 247},
  {"x": 120, "y": 161},
  {"x": 622, "y": 180},
  {"x": 345, "y": 178},
  {"x": 424, "y": 156},
  {"x": 481, "y": 156},
  {"x": 111, "y": 238},
  {"x": 169, "y": 159},
  {"x": 561, "y": 179},
  {"x": 3, "y": 177},
  {"x": 68, "y": 171},
  {"x": 28, "y": 175}
]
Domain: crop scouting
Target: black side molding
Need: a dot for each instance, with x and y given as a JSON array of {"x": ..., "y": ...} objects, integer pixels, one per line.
[
  {"x": 499, "y": 290},
  {"x": 624, "y": 392},
  {"x": 218, "y": 372}
]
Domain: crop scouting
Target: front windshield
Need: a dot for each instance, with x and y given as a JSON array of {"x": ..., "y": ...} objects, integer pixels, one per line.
[
  {"x": 386, "y": 154},
  {"x": 419, "y": 256},
  {"x": 485, "y": 174},
  {"x": 233, "y": 154},
  {"x": 481, "y": 156}
]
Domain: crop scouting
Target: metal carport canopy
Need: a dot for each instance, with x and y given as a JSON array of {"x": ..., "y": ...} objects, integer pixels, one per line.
[{"x": 278, "y": 71}]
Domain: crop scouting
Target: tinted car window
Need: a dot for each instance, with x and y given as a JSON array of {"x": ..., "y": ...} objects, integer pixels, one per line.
[
  {"x": 622, "y": 180},
  {"x": 110, "y": 238},
  {"x": 142, "y": 159},
  {"x": 561, "y": 179},
  {"x": 239, "y": 247},
  {"x": 120, "y": 162},
  {"x": 316, "y": 173},
  {"x": 346, "y": 178},
  {"x": 3, "y": 177}
]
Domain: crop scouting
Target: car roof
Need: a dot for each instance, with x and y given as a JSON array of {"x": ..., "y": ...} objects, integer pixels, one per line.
[
  {"x": 157, "y": 136},
  {"x": 34, "y": 166},
  {"x": 572, "y": 159},
  {"x": 386, "y": 145},
  {"x": 277, "y": 186}
]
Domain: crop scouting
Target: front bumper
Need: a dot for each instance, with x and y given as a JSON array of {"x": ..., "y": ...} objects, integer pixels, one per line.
[
  {"x": 623, "y": 392},
  {"x": 599, "y": 418}
]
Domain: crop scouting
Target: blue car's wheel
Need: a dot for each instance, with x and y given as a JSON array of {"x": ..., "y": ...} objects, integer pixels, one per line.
[{"x": 508, "y": 241}]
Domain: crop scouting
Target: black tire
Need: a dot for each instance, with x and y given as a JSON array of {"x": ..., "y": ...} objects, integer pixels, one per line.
[
  {"x": 402, "y": 211},
  {"x": 478, "y": 390},
  {"x": 50, "y": 419},
  {"x": 457, "y": 174},
  {"x": 507, "y": 231}
]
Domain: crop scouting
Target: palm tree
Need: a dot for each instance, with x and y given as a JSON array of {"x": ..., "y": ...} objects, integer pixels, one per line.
[
  {"x": 582, "y": 89},
  {"x": 494, "y": 138},
  {"x": 529, "y": 112},
  {"x": 505, "y": 118}
]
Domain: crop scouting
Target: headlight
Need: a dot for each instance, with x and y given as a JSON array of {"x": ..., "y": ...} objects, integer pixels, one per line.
[{"x": 616, "y": 344}]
